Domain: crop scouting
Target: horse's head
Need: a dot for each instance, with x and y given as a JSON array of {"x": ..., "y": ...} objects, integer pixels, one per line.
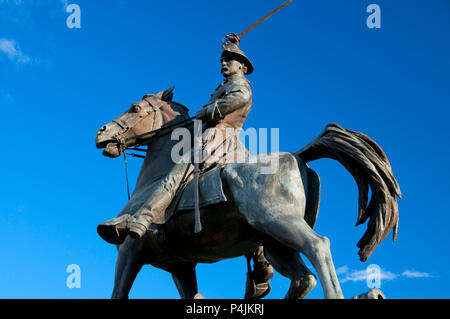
[{"x": 142, "y": 117}]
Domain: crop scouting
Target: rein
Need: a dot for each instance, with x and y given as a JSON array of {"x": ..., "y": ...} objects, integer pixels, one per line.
[
  {"x": 126, "y": 174},
  {"x": 122, "y": 142},
  {"x": 159, "y": 130}
]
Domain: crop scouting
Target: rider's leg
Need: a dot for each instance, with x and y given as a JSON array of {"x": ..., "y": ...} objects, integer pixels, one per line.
[
  {"x": 115, "y": 230},
  {"x": 159, "y": 200},
  {"x": 257, "y": 285},
  {"x": 262, "y": 270},
  {"x": 162, "y": 198}
]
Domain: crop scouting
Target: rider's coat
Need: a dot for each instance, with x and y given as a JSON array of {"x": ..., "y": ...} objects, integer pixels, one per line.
[{"x": 229, "y": 107}]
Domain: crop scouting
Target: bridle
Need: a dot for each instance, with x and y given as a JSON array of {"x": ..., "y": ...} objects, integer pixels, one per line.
[
  {"x": 126, "y": 126},
  {"x": 121, "y": 140}
]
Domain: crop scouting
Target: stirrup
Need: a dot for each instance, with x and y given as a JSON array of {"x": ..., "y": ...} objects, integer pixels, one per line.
[
  {"x": 256, "y": 291},
  {"x": 260, "y": 289}
]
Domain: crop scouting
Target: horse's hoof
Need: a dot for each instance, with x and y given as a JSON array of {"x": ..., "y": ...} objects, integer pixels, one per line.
[
  {"x": 114, "y": 231},
  {"x": 299, "y": 289},
  {"x": 371, "y": 294}
]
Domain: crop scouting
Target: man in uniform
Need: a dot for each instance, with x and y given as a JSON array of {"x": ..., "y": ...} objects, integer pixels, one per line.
[{"x": 223, "y": 116}]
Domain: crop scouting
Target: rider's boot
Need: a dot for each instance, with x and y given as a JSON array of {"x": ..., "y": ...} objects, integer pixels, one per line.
[
  {"x": 160, "y": 200},
  {"x": 262, "y": 270},
  {"x": 258, "y": 285},
  {"x": 114, "y": 231}
]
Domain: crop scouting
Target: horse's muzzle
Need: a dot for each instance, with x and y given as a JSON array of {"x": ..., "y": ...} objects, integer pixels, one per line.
[
  {"x": 104, "y": 140},
  {"x": 112, "y": 150}
]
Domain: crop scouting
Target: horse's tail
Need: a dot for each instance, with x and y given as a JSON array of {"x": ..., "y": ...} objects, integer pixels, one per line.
[{"x": 368, "y": 164}]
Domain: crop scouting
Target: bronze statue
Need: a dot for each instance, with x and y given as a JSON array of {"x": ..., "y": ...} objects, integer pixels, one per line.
[
  {"x": 238, "y": 225},
  {"x": 239, "y": 207}
]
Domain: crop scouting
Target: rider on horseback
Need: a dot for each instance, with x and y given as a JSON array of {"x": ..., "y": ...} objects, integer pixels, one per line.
[{"x": 227, "y": 110}]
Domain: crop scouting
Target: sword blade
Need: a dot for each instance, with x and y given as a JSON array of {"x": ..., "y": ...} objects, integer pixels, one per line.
[{"x": 267, "y": 16}]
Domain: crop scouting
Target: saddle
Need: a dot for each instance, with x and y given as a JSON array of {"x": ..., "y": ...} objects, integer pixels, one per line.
[{"x": 210, "y": 192}]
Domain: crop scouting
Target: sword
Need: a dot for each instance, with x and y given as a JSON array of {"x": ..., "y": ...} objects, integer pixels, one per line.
[{"x": 267, "y": 16}]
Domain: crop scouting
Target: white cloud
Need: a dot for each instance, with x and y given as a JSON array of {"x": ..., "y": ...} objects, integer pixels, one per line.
[
  {"x": 342, "y": 270},
  {"x": 13, "y": 51},
  {"x": 346, "y": 274},
  {"x": 363, "y": 275},
  {"x": 415, "y": 274}
]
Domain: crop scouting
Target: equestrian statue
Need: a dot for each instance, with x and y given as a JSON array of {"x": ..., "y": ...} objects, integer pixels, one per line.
[{"x": 215, "y": 202}]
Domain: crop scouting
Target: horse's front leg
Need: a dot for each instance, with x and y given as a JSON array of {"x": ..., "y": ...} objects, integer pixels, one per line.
[
  {"x": 185, "y": 279},
  {"x": 128, "y": 265}
]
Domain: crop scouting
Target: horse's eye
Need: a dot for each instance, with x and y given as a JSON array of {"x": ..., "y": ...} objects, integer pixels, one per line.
[{"x": 136, "y": 108}]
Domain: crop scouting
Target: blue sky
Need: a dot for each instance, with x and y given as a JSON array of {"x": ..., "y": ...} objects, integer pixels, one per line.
[{"x": 315, "y": 62}]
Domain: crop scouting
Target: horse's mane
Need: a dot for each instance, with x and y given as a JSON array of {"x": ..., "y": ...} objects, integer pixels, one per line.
[
  {"x": 167, "y": 96},
  {"x": 180, "y": 105},
  {"x": 183, "y": 113}
]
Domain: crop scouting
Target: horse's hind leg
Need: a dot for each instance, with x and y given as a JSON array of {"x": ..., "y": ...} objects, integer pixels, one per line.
[
  {"x": 128, "y": 266},
  {"x": 275, "y": 204},
  {"x": 289, "y": 263},
  {"x": 296, "y": 233},
  {"x": 186, "y": 280}
]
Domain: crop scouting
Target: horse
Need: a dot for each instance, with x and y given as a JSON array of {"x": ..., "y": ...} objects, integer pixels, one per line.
[{"x": 277, "y": 210}]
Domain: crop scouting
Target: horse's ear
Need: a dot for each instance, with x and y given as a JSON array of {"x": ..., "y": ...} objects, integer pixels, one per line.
[{"x": 166, "y": 95}]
